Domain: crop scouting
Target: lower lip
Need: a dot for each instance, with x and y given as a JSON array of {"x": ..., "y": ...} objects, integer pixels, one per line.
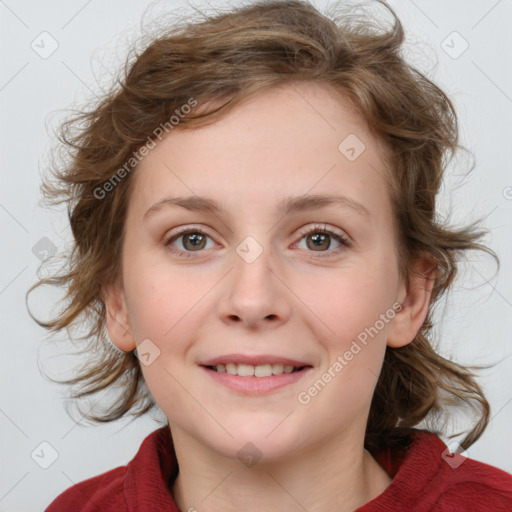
[{"x": 256, "y": 385}]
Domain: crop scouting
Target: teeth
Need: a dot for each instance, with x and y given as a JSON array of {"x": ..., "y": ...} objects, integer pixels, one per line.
[
  {"x": 248, "y": 370},
  {"x": 277, "y": 369},
  {"x": 263, "y": 370},
  {"x": 245, "y": 370},
  {"x": 231, "y": 368}
]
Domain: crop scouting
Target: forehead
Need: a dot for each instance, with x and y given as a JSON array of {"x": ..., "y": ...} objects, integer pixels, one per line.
[{"x": 290, "y": 140}]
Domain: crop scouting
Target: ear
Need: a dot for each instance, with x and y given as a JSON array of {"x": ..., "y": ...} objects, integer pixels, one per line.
[
  {"x": 415, "y": 300},
  {"x": 117, "y": 321}
]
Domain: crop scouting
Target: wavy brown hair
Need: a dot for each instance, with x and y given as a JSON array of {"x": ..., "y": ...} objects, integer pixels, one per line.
[{"x": 222, "y": 60}]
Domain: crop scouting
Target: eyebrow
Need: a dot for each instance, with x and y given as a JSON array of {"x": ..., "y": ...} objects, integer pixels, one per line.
[{"x": 287, "y": 206}]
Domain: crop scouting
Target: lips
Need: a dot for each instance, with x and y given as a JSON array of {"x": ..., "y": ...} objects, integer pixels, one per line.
[
  {"x": 255, "y": 375},
  {"x": 241, "y": 359}
]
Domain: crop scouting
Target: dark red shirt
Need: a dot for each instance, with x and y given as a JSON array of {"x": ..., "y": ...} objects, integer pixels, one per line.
[{"x": 424, "y": 480}]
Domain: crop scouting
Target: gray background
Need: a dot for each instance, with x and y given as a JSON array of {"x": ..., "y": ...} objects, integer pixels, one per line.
[{"x": 475, "y": 323}]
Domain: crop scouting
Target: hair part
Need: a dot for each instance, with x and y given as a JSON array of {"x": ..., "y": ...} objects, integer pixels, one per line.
[{"x": 222, "y": 61}]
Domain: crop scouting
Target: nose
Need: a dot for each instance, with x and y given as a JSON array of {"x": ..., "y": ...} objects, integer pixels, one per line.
[{"x": 254, "y": 294}]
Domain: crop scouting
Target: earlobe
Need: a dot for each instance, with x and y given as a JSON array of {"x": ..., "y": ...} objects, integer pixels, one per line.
[
  {"x": 117, "y": 319},
  {"x": 415, "y": 305}
]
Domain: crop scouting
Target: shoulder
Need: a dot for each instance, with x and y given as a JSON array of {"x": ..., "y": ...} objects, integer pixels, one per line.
[
  {"x": 453, "y": 482},
  {"x": 427, "y": 477},
  {"x": 144, "y": 479},
  {"x": 103, "y": 492},
  {"x": 473, "y": 485}
]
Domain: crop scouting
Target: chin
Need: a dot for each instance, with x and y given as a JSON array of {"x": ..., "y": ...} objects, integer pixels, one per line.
[{"x": 265, "y": 438}]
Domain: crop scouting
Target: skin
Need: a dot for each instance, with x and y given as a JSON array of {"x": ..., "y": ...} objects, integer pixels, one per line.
[{"x": 291, "y": 301}]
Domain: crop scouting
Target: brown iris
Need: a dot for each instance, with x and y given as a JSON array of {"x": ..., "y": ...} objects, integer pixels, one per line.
[
  {"x": 320, "y": 241},
  {"x": 197, "y": 241}
]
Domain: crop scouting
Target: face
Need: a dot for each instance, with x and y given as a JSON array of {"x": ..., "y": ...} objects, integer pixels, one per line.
[{"x": 279, "y": 274}]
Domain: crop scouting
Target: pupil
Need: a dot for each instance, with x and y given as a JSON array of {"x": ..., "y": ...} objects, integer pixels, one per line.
[
  {"x": 319, "y": 239},
  {"x": 195, "y": 239}
]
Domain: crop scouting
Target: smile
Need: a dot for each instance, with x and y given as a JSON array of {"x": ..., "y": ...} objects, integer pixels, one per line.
[{"x": 255, "y": 380}]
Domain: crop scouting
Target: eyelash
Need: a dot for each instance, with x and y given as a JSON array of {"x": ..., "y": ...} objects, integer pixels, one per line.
[{"x": 316, "y": 228}]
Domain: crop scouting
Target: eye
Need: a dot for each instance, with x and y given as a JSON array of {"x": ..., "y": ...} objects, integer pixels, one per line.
[
  {"x": 190, "y": 240},
  {"x": 319, "y": 239}
]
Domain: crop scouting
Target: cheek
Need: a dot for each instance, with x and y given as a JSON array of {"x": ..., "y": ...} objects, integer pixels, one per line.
[
  {"x": 354, "y": 308},
  {"x": 164, "y": 309},
  {"x": 159, "y": 296},
  {"x": 349, "y": 301}
]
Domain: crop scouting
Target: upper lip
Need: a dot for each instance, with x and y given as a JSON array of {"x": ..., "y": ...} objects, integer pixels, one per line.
[{"x": 253, "y": 360}]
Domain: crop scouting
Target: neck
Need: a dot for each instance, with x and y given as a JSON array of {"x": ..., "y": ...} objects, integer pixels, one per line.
[{"x": 338, "y": 475}]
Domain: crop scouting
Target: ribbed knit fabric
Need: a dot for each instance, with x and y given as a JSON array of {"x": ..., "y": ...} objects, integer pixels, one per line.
[{"x": 423, "y": 481}]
